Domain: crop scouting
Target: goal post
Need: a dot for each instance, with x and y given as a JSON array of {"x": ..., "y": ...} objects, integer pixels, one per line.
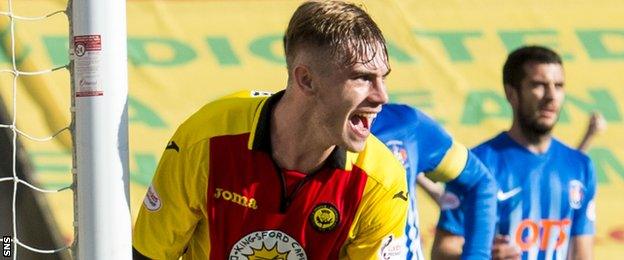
[{"x": 98, "y": 66}]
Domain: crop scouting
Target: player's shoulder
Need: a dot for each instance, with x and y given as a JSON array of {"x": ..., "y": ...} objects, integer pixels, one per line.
[
  {"x": 396, "y": 115},
  {"x": 397, "y": 119},
  {"x": 396, "y": 108},
  {"x": 379, "y": 164},
  {"x": 401, "y": 112},
  {"x": 568, "y": 152},
  {"x": 572, "y": 162},
  {"x": 493, "y": 144},
  {"x": 229, "y": 115}
]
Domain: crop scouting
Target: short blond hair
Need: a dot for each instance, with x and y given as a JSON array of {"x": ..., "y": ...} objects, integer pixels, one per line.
[{"x": 342, "y": 31}]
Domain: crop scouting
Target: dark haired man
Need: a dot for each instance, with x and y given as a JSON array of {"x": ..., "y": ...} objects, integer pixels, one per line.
[{"x": 546, "y": 189}]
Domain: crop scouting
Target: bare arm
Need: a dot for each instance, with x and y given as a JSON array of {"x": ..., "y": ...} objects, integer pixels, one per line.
[
  {"x": 597, "y": 124},
  {"x": 446, "y": 245},
  {"x": 433, "y": 189},
  {"x": 581, "y": 248}
]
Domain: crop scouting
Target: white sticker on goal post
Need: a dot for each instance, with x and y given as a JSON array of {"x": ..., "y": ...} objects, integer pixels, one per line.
[{"x": 86, "y": 53}]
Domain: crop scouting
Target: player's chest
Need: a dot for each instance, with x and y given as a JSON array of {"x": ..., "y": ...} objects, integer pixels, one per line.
[
  {"x": 560, "y": 189},
  {"x": 254, "y": 206}
]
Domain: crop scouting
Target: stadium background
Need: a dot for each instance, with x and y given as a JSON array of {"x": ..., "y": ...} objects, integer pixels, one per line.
[{"x": 446, "y": 58}]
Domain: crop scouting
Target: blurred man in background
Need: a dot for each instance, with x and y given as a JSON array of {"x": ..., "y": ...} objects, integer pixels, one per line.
[{"x": 546, "y": 189}]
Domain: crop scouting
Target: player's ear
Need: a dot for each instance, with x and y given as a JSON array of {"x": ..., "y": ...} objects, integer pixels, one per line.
[
  {"x": 303, "y": 79},
  {"x": 511, "y": 93}
]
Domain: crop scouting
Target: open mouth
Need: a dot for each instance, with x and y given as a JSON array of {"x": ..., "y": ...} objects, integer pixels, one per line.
[{"x": 361, "y": 122}]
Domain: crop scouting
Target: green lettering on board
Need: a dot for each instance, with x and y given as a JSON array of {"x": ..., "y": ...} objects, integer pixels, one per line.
[
  {"x": 139, "y": 55},
  {"x": 138, "y": 112},
  {"x": 146, "y": 166},
  {"x": 60, "y": 167},
  {"x": 57, "y": 48},
  {"x": 221, "y": 47},
  {"x": 603, "y": 160},
  {"x": 484, "y": 104},
  {"x": 601, "y": 101},
  {"x": 596, "y": 43},
  {"x": 397, "y": 54},
  {"x": 52, "y": 163},
  {"x": 454, "y": 42},
  {"x": 264, "y": 47},
  {"x": 544, "y": 37}
]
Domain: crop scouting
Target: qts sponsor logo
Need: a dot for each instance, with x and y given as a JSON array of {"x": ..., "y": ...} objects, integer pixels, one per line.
[{"x": 531, "y": 233}]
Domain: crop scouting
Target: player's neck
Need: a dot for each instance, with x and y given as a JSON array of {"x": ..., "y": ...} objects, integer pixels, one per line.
[
  {"x": 293, "y": 139},
  {"x": 535, "y": 143}
]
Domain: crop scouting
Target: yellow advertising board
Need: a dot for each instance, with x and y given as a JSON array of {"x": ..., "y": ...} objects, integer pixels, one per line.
[{"x": 446, "y": 59}]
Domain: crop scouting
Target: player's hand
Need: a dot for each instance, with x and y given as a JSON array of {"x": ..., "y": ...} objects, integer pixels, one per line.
[
  {"x": 597, "y": 123},
  {"x": 502, "y": 249}
]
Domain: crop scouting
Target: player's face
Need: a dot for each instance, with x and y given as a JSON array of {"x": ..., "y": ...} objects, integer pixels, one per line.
[
  {"x": 540, "y": 97},
  {"x": 349, "y": 99}
]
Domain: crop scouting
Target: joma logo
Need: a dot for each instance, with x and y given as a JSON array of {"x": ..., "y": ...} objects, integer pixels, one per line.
[{"x": 236, "y": 198}]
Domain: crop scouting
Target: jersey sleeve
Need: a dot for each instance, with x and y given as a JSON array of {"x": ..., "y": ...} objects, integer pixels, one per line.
[
  {"x": 451, "y": 165},
  {"x": 439, "y": 157},
  {"x": 478, "y": 189},
  {"x": 471, "y": 186},
  {"x": 455, "y": 196},
  {"x": 585, "y": 217},
  {"x": 451, "y": 217},
  {"x": 379, "y": 223},
  {"x": 173, "y": 205}
]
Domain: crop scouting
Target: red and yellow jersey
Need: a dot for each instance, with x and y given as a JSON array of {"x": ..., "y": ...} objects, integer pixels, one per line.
[{"x": 217, "y": 194}]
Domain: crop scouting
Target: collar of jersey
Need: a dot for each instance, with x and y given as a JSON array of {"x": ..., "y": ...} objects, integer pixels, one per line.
[
  {"x": 505, "y": 135},
  {"x": 262, "y": 136}
]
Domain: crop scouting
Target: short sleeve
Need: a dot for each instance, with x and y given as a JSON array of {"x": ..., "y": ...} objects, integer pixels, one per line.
[
  {"x": 451, "y": 216},
  {"x": 173, "y": 204},
  {"x": 585, "y": 216},
  {"x": 380, "y": 224}
]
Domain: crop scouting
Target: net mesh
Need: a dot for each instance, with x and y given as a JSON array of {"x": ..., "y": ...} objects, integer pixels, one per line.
[{"x": 12, "y": 46}]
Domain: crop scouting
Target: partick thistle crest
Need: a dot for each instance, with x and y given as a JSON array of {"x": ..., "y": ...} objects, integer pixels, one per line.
[{"x": 324, "y": 217}]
